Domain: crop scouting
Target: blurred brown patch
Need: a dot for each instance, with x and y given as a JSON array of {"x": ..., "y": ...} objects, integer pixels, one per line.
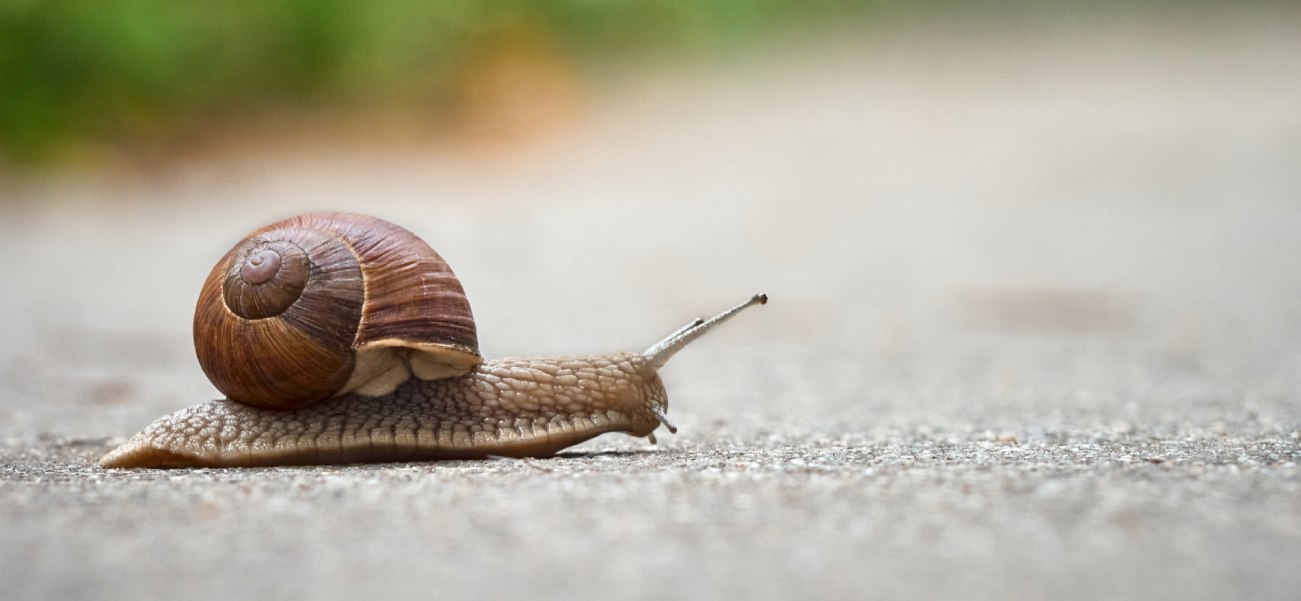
[
  {"x": 516, "y": 87},
  {"x": 110, "y": 391},
  {"x": 1047, "y": 310}
]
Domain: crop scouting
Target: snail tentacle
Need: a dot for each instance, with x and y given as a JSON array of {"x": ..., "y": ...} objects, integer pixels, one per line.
[{"x": 659, "y": 353}]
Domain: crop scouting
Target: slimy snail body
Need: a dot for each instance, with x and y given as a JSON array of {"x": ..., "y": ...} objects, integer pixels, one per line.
[{"x": 341, "y": 338}]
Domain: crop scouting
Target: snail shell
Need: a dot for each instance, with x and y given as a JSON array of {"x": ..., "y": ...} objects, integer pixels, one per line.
[
  {"x": 314, "y": 328},
  {"x": 326, "y": 304}
]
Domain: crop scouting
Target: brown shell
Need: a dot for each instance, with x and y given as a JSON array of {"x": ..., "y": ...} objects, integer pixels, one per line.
[{"x": 284, "y": 315}]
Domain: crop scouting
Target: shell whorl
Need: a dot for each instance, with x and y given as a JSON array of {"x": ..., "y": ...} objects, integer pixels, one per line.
[
  {"x": 266, "y": 278},
  {"x": 322, "y": 304}
]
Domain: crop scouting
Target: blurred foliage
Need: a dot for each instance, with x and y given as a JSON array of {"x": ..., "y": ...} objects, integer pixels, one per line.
[{"x": 107, "y": 71}]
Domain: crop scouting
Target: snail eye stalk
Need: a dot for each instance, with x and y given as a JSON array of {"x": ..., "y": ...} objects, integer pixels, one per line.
[{"x": 659, "y": 353}]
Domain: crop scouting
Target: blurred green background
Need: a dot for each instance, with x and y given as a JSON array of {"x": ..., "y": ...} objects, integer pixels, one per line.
[{"x": 82, "y": 76}]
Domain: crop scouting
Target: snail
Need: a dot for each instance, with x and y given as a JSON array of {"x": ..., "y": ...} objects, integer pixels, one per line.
[{"x": 341, "y": 338}]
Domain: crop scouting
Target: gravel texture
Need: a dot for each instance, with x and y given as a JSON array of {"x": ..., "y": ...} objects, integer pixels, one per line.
[{"x": 1034, "y": 333}]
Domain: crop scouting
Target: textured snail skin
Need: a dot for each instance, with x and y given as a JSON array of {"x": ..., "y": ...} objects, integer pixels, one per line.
[{"x": 528, "y": 407}]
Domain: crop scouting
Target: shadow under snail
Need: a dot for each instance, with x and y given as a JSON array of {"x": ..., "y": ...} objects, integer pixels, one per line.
[{"x": 341, "y": 338}]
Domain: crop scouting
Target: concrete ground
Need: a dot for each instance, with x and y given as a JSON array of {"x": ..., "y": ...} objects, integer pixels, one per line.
[{"x": 1034, "y": 333}]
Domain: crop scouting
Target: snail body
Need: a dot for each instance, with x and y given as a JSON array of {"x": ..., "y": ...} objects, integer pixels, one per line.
[{"x": 342, "y": 338}]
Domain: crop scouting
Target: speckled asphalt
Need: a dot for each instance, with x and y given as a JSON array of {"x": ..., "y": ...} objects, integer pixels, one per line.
[{"x": 1034, "y": 333}]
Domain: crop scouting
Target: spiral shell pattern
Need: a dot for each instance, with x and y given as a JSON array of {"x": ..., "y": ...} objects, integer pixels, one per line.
[{"x": 283, "y": 315}]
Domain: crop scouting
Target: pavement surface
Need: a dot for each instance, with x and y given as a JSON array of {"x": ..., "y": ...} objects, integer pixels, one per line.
[{"x": 1034, "y": 333}]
